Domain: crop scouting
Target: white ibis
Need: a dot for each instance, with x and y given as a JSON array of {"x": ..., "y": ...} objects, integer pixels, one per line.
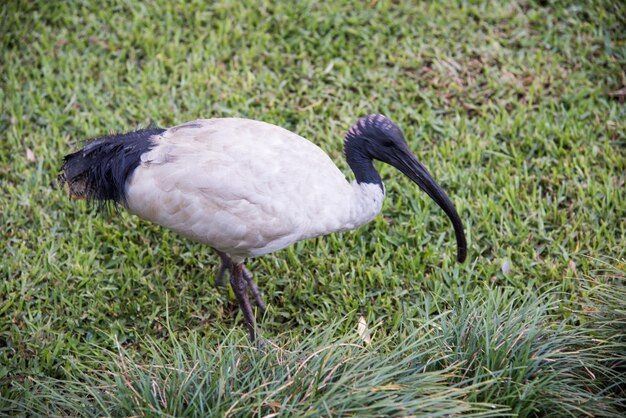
[{"x": 247, "y": 188}]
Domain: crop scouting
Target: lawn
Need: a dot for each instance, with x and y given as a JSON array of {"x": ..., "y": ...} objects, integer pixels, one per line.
[{"x": 517, "y": 109}]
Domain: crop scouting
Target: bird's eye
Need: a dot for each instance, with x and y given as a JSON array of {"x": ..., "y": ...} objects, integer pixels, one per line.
[{"x": 387, "y": 142}]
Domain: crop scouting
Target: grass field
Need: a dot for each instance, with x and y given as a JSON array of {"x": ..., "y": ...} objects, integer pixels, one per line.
[{"x": 517, "y": 108}]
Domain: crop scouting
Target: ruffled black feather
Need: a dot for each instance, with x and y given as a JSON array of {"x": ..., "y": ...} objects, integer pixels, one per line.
[{"x": 99, "y": 170}]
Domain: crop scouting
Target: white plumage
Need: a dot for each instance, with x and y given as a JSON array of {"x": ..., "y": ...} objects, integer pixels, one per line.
[{"x": 197, "y": 182}]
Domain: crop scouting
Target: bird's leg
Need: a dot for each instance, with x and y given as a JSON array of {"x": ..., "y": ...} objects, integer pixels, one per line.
[
  {"x": 239, "y": 285},
  {"x": 254, "y": 288},
  {"x": 227, "y": 265}
]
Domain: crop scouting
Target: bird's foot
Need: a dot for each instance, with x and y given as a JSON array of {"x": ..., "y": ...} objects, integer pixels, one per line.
[
  {"x": 255, "y": 289},
  {"x": 227, "y": 267},
  {"x": 219, "y": 277},
  {"x": 263, "y": 344}
]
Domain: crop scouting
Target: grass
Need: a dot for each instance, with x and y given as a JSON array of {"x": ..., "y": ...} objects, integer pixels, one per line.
[{"x": 515, "y": 107}]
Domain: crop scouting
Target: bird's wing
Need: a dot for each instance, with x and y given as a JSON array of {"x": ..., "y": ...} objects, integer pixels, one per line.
[{"x": 241, "y": 186}]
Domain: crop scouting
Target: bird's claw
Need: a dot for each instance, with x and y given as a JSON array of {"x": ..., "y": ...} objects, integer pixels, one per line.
[
  {"x": 227, "y": 266},
  {"x": 255, "y": 289},
  {"x": 263, "y": 344}
]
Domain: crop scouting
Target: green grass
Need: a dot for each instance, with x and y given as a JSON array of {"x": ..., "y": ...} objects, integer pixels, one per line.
[{"x": 513, "y": 106}]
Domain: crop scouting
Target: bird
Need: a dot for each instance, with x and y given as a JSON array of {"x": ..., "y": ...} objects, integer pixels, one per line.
[{"x": 247, "y": 188}]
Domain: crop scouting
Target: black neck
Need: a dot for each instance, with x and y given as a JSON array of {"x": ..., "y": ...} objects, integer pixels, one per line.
[{"x": 361, "y": 163}]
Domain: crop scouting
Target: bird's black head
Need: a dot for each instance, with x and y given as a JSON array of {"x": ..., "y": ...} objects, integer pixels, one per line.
[{"x": 377, "y": 137}]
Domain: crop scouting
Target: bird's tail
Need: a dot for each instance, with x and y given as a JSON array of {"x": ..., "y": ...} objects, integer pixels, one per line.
[{"x": 100, "y": 169}]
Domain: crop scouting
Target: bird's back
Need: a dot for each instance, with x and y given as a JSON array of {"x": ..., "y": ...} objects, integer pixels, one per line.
[{"x": 244, "y": 187}]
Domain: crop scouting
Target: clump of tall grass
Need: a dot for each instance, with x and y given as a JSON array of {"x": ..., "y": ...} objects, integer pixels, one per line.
[
  {"x": 520, "y": 353},
  {"x": 319, "y": 375},
  {"x": 494, "y": 353}
]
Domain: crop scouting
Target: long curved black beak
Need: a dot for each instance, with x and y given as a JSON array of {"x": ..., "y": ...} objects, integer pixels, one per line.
[{"x": 408, "y": 164}]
